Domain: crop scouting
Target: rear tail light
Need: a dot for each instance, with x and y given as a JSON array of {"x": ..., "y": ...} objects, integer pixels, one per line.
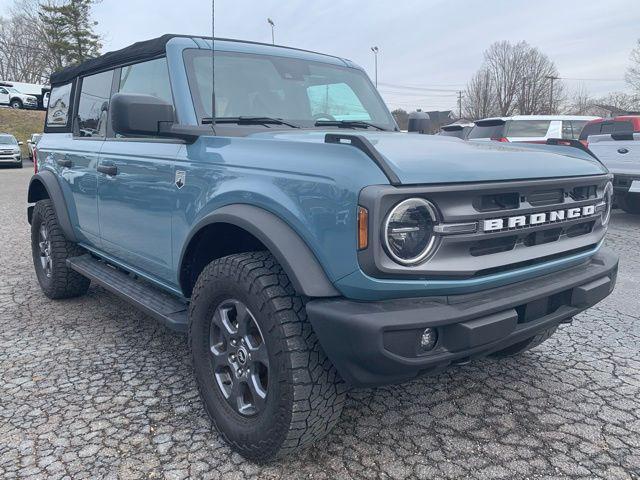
[
  {"x": 35, "y": 160},
  {"x": 585, "y": 143},
  {"x": 500, "y": 139}
]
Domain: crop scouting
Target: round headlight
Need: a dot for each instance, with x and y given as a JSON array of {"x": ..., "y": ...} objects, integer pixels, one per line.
[
  {"x": 408, "y": 231},
  {"x": 607, "y": 199}
]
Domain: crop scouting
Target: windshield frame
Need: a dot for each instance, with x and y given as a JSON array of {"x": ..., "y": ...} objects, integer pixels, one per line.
[{"x": 199, "y": 104}]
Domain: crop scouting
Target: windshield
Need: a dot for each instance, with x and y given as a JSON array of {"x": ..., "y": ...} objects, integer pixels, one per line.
[
  {"x": 12, "y": 90},
  {"x": 298, "y": 91},
  {"x": 8, "y": 140}
]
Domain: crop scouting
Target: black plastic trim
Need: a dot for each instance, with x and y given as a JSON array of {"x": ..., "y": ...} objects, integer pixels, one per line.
[
  {"x": 375, "y": 343},
  {"x": 571, "y": 143},
  {"x": 297, "y": 260},
  {"x": 365, "y": 146},
  {"x": 50, "y": 182}
]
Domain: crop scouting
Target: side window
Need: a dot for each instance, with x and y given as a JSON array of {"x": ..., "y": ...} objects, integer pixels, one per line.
[
  {"x": 93, "y": 107},
  {"x": 528, "y": 128},
  {"x": 150, "y": 78},
  {"x": 337, "y": 100},
  {"x": 578, "y": 125},
  {"x": 567, "y": 130},
  {"x": 3, "y": 91},
  {"x": 58, "y": 108}
]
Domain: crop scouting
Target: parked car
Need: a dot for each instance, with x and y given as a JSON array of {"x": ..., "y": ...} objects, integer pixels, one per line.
[
  {"x": 620, "y": 153},
  {"x": 459, "y": 130},
  {"x": 32, "y": 142},
  {"x": 10, "y": 150},
  {"x": 301, "y": 240},
  {"x": 15, "y": 99},
  {"x": 603, "y": 126},
  {"x": 529, "y": 128}
]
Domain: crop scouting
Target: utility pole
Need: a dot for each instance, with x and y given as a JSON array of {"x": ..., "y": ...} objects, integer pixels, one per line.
[
  {"x": 273, "y": 38},
  {"x": 459, "y": 104},
  {"x": 375, "y": 51},
  {"x": 552, "y": 78}
]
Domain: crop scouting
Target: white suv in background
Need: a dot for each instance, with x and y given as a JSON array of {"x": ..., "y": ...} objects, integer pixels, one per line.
[
  {"x": 15, "y": 99},
  {"x": 529, "y": 128}
]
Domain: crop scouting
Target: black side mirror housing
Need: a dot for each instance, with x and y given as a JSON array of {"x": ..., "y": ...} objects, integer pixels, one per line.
[{"x": 135, "y": 114}]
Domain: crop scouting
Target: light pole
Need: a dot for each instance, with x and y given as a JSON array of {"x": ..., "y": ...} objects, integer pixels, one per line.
[
  {"x": 273, "y": 38},
  {"x": 375, "y": 51}
]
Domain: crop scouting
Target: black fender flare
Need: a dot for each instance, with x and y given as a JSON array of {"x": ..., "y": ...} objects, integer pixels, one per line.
[
  {"x": 49, "y": 181},
  {"x": 296, "y": 258}
]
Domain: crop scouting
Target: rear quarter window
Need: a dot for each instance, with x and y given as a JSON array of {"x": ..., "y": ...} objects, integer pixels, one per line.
[
  {"x": 528, "y": 128},
  {"x": 491, "y": 129},
  {"x": 59, "y": 105}
]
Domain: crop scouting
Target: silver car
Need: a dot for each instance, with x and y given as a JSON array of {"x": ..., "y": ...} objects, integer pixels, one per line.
[{"x": 10, "y": 150}]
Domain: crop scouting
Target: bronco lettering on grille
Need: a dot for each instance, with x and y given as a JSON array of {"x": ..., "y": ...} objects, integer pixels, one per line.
[{"x": 554, "y": 216}]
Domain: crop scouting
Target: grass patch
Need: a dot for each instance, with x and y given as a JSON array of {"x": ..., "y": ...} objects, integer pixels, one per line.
[{"x": 21, "y": 124}]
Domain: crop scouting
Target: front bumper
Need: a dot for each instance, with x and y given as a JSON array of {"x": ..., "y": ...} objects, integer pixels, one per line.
[
  {"x": 13, "y": 158},
  {"x": 375, "y": 343}
]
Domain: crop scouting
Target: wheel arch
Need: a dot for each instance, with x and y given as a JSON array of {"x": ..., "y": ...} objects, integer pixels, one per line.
[
  {"x": 45, "y": 185},
  {"x": 252, "y": 228}
]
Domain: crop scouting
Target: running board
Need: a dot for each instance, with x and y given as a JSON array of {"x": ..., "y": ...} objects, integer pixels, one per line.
[{"x": 164, "y": 307}]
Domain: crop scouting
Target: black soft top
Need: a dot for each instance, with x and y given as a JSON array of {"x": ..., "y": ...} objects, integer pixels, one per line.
[{"x": 131, "y": 54}]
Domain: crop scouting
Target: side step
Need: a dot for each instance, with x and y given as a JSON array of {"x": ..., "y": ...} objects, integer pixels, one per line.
[{"x": 164, "y": 307}]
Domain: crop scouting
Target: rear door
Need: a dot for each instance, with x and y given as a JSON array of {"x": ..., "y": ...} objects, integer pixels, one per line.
[
  {"x": 77, "y": 162},
  {"x": 136, "y": 200}
]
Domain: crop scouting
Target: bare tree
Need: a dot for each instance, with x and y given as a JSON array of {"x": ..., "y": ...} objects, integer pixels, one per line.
[
  {"x": 581, "y": 102},
  {"x": 514, "y": 78},
  {"x": 479, "y": 96},
  {"x": 22, "y": 55},
  {"x": 633, "y": 72}
]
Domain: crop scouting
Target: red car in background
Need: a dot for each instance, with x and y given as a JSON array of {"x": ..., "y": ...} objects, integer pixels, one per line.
[{"x": 619, "y": 124}]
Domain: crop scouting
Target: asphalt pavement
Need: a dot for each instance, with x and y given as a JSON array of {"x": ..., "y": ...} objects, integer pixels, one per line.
[{"x": 91, "y": 388}]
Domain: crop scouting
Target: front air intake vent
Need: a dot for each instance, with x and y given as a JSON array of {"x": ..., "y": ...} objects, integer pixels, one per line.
[
  {"x": 498, "y": 201},
  {"x": 547, "y": 197}
]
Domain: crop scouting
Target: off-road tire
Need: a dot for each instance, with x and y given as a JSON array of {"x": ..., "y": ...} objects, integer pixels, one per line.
[
  {"x": 528, "y": 344},
  {"x": 19, "y": 165},
  {"x": 630, "y": 203},
  {"x": 305, "y": 394},
  {"x": 62, "y": 282}
]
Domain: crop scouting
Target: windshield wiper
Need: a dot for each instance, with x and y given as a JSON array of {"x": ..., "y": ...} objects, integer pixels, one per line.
[
  {"x": 347, "y": 124},
  {"x": 250, "y": 121}
]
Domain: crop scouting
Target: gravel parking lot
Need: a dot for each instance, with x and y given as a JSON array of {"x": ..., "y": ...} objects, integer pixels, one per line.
[{"x": 91, "y": 388}]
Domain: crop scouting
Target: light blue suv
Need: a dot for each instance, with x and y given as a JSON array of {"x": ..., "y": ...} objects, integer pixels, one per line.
[{"x": 304, "y": 243}]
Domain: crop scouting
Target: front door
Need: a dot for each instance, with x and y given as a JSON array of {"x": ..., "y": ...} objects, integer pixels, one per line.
[
  {"x": 4, "y": 96},
  {"x": 136, "y": 189}
]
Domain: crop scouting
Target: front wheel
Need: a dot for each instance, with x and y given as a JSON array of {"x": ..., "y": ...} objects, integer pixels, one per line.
[
  {"x": 265, "y": 381},
  {"x": 16, "y": 104}
]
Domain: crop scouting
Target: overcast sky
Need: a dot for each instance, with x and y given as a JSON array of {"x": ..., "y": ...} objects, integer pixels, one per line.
[{"x": 435, "y": 44}]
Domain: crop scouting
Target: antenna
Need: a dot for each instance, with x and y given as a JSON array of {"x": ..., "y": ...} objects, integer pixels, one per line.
[{"x": 213, "y": 66}]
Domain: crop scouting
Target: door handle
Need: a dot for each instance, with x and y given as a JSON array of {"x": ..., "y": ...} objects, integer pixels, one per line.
[
  {"x": 108, "y": 169},
  {"x": 63, "y": 162}
]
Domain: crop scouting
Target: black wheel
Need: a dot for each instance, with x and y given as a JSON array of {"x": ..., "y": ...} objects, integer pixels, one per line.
[
  {"x": 20, "y": 164},
  {"x": 528, "y": 344},
  {"x": 50, "y": 249},
  {"x": 630, "y": 203},
  {"x": 265, "y": 381},
  {"x": 16, "y": 104}
]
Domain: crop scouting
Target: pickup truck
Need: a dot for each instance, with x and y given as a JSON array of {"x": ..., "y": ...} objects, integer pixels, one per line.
[
  {"x": 620, "y": 153},
  {"x": 303, "y": 242}
]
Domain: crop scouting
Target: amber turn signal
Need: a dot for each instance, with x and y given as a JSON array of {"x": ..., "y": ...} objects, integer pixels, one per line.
[{"x": 363, "y": 228}]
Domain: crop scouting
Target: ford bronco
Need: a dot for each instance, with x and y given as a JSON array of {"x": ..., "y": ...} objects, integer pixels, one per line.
[{"x": 304, "y": 243}]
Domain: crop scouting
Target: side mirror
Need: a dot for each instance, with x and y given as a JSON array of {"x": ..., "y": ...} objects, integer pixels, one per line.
[
  {"x": 134, "y": 114},
  {"x": 20, "y": 143}
]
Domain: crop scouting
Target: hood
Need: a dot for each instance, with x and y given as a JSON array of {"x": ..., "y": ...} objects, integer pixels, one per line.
[{"x": 421, "y": 159}]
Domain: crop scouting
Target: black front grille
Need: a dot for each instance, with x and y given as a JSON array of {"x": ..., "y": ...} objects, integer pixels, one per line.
[{"x": 546, "y": 197}]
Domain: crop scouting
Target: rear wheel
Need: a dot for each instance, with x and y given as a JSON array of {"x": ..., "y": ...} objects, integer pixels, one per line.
[
  {"x": 528, "y": 344},
  {"x": 265, "y": 381},
  {"x": 50, "y": 249},
  {"x": 629, "y": 202}
]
